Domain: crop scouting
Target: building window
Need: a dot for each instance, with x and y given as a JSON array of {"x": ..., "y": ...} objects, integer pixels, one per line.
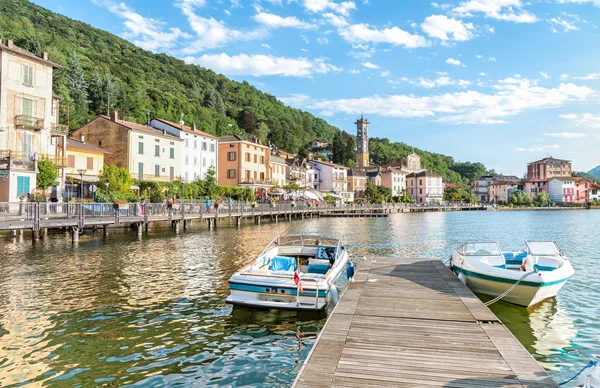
[
  {"x": 156, "y": 150},
  {"x": 248, "y": 158},
  {"x": 140, "y": 171},
  {"x": 262, "y": 160},
  {"x": 203, "y": 146},
  {"x": 231, "y": 174},
  {"x": 27, "y": 75},
  {"x": 140, "y": 147},
  {"x": 255, "y": 158},
  {"x": 157, "y": 170},
  {"x": 231, "y": 156},
  {"x": 27, "y": 108},
  {"x": 195, "y": 144},
  {"x": 248, "y": 174},
  {"x": 203, "y": 162},
  {"x": 212, "y": 147},
  {"x": 186, "y": 160},
  {"x": 90, "y": 163},
  {"x": 195, "y": 161},
  {"x": 22, "y": 185},
  {"x": 26, "y": 141},
  {"x": 262, "y": 176},
  {"x": 172, "y": 153},
  {"x": 71, "y": 161},
  {"x": 420, "y": 191},
  {"x": 186, "y": 176},
  {"x": 195, "y": 176},
  {"x": 187, "y": 143}
]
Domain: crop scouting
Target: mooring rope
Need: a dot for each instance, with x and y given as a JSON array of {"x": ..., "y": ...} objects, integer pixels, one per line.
[
  {"x": 592, "y": 363},
  {"x": 510, "y": 289}
]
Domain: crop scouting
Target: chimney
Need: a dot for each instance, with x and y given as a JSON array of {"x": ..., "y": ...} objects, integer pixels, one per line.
[
  {"x": 45, "y": 56},
  {"x": 114, "y": 115},
  {"x": 82, "y": 138},
  {"x": 193, "y": 126},
  {"x": 9, "y": 43}
]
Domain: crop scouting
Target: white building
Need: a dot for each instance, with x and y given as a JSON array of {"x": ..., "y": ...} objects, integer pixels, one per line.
[
  {"x": 332, "y": 178},
  {"x": 300, "y": 172},
  {"x": 425, "y": 187},
  {"x": 199, "y": 149},
  {"x": 277, "y": 165},
  {"x": 29, "y": 129},
  {"x": 561, "y": 189}
]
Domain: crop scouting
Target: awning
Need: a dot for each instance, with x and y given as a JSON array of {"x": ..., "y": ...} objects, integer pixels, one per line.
[
  {"x": 311, "y": 195},
  {"x": 333, "y": 195},
  {"x": 86, "y": 178}
]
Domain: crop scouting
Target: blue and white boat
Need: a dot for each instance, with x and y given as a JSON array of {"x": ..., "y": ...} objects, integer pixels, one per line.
[
  {"x": 294, "y": 272},
  {"x": 486, "y": 270}
]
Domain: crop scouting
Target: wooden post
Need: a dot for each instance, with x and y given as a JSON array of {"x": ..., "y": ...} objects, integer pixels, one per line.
[
  {"x": 238, "y": 221},
  {"x": 105, "y": 230},
  {"x": 140, "y": 228},
  {"x": 209, "y": 220},
  {"x": 175, "y": 225},
  {"x": 74, "y": 235}
]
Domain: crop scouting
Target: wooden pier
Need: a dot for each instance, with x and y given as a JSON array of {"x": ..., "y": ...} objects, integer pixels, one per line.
[{"x": 412, "y": 323}]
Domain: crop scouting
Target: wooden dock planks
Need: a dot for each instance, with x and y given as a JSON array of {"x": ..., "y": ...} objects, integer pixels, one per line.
[{"x": 411, "y": 323}]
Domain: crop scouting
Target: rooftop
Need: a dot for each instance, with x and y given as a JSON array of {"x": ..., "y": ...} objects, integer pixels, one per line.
[
  {"x": 423, "y": 173},
  {"x": 276, "y": 159},
  {"x": 550, "y": 159},
  {"x": 9, "y": 46},
  {"x": 329, "y": 164},
  {"x": 185, "y": 128},
  {"x": 74, "y": 144},
  {"x": 356, "y": 172},
  {"x": 236, "y": 138},
  {"x": 138, "y": 127}
]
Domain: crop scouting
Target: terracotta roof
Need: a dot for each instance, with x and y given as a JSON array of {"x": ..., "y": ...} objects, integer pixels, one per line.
[
  {"x": 356, "y": 172},
  {"x": 276, "y": 159},
  {"x": 423, "y": 173},
  {"x": 19, "y": 50},
  {"x": 185, "y": 128},
  {"x": 140, "y": 127},
  {"x": 328, "y": 164},
  {"x": 562, "y": 178},
  {"x": 550, "y": 159},
  {"x": 394, "y": 170},
  {"x": 54, "y": 95},
  {"x": 74, "y": 144}
]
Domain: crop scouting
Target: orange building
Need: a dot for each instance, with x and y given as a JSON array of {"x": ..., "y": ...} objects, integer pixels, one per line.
[{"x": 244, "y": 163}]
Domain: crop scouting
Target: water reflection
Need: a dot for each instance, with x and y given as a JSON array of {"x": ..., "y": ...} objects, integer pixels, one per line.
[{"x": 123, "y": 311}]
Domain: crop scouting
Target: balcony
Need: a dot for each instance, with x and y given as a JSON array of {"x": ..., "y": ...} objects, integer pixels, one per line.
[
  {"x": 59, "y": 129},
  {"x": 29, "y": 122},
  {"x": 154, "y": 178},
  {"x": 10, "y": 160},
  {"x": 251, "y": 181}
]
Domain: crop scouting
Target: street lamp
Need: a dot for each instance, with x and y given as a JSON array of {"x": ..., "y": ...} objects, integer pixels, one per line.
[
  {"x": 182, "y": 189},
  {"x": 106, "y": 190},
  {"x": 81, "y": 171}
]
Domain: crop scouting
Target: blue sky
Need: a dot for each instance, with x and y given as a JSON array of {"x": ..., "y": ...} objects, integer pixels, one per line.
[{"x": 503, "y": 82}]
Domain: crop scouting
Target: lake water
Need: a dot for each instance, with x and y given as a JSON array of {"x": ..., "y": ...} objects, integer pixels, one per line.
[{"x": 151, "y": 312}]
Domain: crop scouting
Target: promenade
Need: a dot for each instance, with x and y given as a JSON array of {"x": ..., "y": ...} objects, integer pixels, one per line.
[{"x": 412, "y": 323}]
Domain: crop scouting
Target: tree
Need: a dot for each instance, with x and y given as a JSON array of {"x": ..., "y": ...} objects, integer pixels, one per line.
[
  {"x": 338, "y": 151},
  {"x": 119, "y": 184},
  {"x": 520, "y": 198},
  {"x": 78, "y": 90},
  {"x": 47, "y": 174},
  {"x": 292, "y": 187},
  {"x": 542, "y": 199},
  {"x": 211, "y": 189}
]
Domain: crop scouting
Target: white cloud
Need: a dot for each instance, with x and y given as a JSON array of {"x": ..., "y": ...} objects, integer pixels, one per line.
[
  {"x": 538, "y": 148},
  {"x": 464, "y": 107},
  {"x": 322, "y": 40},
  {"x": 567, "y": 22},
  {"x": 492, "y": 59},
  {"x": 591, "y": 76},
  {"x": 507, "y": 10},
  {"x": 370, "y": 65},
  {"x": 265, "y": 45},
  {"x": 385, "y": 73},
  {"x": 583, "y": 119},
  {"x": 145, "y": 32},
  {"x": 335, "y": 20},
  {"x": 595, "y": 2},
  {"x": 427, "y": 83},
  {"x": 262, "y": 65},
  {"x": 211, "y": 33},
  {"x": 482, "y": 74},
  {"x": 564, "y": 76},
  {"x": 566, "y": 135},
  {"x": 342, "y": 8},
  {"x": 544, "y": 74},
  {"x": 441, "y": 6},
  {"x": 455, "y": 62},
  {"x": 275, "y": 21},
  {"x": 478, "y": 56},
  {"x": 445, "y": 28},
  {"x": 362, "y": 33}
]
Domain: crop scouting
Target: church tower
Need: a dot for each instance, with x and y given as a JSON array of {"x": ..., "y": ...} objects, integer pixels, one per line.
[{"x": 362, "y": 143}]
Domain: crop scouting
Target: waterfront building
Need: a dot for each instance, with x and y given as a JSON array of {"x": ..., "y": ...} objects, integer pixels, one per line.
[
  {"x": 482, "y": 187},
  {"x": 395, "y": 179},
  {"x": 449, "y": 185},
  {"x": 148, "y": 153},
  {"x": 29, "y": 121},
  {"x": 84, "y": 167},
  {"x": 374, "y": 176},
  {"x": 332, "y": 178},
  {"x": 541, "y": 171},
  {"x": 584, "y": 189},
  {"x": 561, "y": 189},
  {"x": 424, "y": 187},
  {"x": 300, "y": 172},
  {"x": 199, "y": 149},
  {"x": 277, "y": 165},
  {"x": 502, "y": 189},
  {"x": 362, "y": 143},
  {"x": 244, "y": 163},
  {"x": 594, "y": 192},
  {"x": 357, "y": 182}
]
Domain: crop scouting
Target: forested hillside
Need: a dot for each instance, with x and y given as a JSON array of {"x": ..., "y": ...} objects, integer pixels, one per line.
[
  {"x": 595, "y": 171},
  {"x": 102, "y": 72}
]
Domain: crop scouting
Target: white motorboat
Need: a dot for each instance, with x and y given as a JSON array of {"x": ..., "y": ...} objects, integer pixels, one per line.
[
  {"x": 294, "y": 272},
  {"x": 540, "y": 270}
]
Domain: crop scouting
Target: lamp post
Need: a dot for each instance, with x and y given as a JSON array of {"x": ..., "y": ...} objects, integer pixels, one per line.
[
  {"x": 182, "y": 189},
  {"x": 106, "y": 190},
  {"x": 81, "y": 171}
]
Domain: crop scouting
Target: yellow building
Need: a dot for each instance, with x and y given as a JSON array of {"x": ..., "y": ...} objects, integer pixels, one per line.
[{"x": 84, "y": 161}]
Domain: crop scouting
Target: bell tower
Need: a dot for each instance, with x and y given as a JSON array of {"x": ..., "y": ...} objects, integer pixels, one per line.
[{"x": 362, "y": 143}]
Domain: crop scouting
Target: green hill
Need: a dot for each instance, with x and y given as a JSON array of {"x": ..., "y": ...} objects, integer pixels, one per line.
[
  {"x": 102, "y": 71},
  {"x": 595, "y": 172}
]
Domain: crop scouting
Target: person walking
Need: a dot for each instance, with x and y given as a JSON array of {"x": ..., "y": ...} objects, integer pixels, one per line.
[
  {"x": 207, "y": 204},
  {"x": 229, "y": 204}
]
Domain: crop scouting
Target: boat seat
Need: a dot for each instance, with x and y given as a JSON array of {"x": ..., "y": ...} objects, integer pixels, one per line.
[
  {"x": 283, "y": 263},
  {"x": 326, "y": 252},
  {"x": 318, "y": 266},
  {"x": 514, "y": 257}
]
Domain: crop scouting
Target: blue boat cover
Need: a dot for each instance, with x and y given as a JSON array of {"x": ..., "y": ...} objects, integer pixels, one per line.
[
  {"x": 318, "y": 266},
  {"x": 283, "y": 263},
  {"x": 511, "y": 256}
]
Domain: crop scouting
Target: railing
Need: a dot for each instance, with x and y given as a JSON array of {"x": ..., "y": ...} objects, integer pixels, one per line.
[
  {"x": 251, "y": 181},
  {"x": 59, "y": 129},
  {"x": 16, "y": 160},
  {"x": 29, "y": 122},
  {"x": 154, "y": 178}
]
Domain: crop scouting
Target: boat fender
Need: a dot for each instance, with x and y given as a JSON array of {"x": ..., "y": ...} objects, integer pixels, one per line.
[
  {"x": 524, "y": 265},
  {"x": 333, "y": 292},
  {"x": 462, "y": 278},
  {"x": 350, "y": 270}
]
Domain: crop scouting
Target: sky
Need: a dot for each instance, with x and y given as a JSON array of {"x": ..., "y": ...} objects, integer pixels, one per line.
[{"x": 503, "y": 82}]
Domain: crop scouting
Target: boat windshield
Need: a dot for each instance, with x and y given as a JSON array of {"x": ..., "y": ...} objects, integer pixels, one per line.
[
  {"x": 306, "y": 240},
  {"x": 543, "y": 248},
  {"x": 482, "y": 249}
]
